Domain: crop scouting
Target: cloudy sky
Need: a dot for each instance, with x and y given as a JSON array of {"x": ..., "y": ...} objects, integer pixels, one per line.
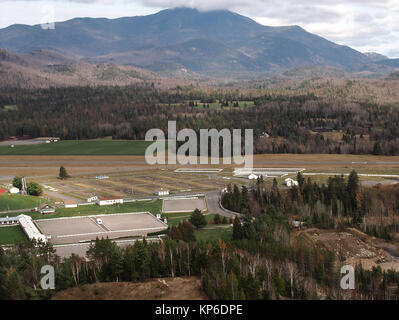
[{"x": 366, "y": 25}]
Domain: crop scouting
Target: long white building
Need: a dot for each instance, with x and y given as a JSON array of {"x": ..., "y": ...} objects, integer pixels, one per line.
[{"x": 30, "y": 229}]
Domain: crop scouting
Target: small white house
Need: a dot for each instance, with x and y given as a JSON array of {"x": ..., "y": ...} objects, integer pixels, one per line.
[
  {"x": 291, "y": 183},
  {"x": 162, "y": 192},
  {"x": 252, "y": 176},
  {"x": 109, "y": 201},
  {"x": 14, "y": 190},
  {"x": 92, "y": 199}
]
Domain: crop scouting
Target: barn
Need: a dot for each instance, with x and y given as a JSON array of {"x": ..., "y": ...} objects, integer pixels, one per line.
[{"x": 46, "y": 209}]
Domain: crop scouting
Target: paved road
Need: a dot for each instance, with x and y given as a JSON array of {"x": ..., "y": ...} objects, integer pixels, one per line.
[{"x": 212, "y": 197}]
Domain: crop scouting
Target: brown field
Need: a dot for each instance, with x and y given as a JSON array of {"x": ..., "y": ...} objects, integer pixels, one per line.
[
  {"x": 179, "y": 288},
  {"x": 130, "y": 175},
  {"x": 49, "y": 165}
]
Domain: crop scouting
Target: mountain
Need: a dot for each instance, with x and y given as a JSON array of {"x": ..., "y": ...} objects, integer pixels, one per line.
[
  {"x": 212, "y": 43},
  {"x": 374, "y": 56},
  {"x": 46, "y": 68},
  {"x": 393, "y": 63}
]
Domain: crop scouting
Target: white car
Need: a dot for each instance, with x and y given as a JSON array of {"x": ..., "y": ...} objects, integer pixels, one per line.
[{"x": 99, "y": 221}]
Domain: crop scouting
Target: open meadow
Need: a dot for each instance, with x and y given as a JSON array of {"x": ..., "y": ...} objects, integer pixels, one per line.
[
  {"x": 80, "y": 147},
  {"x": 16, "y": 202}
]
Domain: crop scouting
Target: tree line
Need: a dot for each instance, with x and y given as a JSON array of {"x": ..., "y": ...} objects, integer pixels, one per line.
[{"x": 302, "y": 123}]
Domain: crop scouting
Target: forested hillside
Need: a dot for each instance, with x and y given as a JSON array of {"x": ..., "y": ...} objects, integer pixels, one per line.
[{"x": 298, "y": 121}]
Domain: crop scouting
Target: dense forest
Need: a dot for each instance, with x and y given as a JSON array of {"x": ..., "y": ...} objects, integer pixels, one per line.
[
  {"x": 255, "y": 265},
  {"x": 282, "y": 123},
  {"x": 338, "y": 204}
]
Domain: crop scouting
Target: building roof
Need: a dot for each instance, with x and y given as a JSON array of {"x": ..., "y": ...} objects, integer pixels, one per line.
[
  {"x": 43, "y": 205},
  {"x": 8, "y": 219},
  {"x": 30, "y": 229}
]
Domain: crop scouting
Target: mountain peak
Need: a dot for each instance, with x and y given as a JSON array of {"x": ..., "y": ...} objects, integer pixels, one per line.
[{"x": 197, "y": 40}]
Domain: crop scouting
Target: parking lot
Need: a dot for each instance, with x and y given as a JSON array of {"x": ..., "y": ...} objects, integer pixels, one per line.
[{"x": 114, "y": 226}]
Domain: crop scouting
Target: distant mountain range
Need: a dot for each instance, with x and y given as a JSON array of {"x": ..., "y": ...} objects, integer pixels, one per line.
[{"x": 186, "y": 41}]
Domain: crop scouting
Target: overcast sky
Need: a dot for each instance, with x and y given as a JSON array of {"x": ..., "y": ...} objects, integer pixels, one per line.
[{"x": 365, "y": 25}]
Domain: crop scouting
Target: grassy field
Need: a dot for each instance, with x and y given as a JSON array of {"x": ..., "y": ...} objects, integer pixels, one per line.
[
  {"x": 10, "y": 235},
  {"x": 80, "y": 147},
  {"x": 175, "y": 218},
  {"x": 214, "y": 234},
  {"x": 16, "y": 202}
]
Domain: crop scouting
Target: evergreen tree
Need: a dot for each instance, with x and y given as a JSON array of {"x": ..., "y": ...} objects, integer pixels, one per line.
[
  {"x": 197, "y": 219},
  {"x": 377, "y": 150},
  {"x": 63, "y": 173},
  {"x": 217, "y": 219},
  {"x": 237, "y": 229}
]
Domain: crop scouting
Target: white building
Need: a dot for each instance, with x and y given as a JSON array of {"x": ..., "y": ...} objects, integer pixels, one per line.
[
  {"x": 109, "y": 201},
  {"x": 162, "y": 192},
  {"x": 30, "y": 229},
  {"x": 291, "y": 183},
  {"x": 70, "y": 204},
  {"x": 9, "y": 220},
  {"x": 92, "y": 199},
  {"x": 14, "y": 190}
]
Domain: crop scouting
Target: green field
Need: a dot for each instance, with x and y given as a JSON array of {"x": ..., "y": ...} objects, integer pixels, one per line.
[
  {"x": 10, "y": 235},
  {"x": 214, "y": 234},
  {"x": 81, "y": 147},
  {"x": 17, "y": 202},
  {"x": 138, "y": 206}
]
